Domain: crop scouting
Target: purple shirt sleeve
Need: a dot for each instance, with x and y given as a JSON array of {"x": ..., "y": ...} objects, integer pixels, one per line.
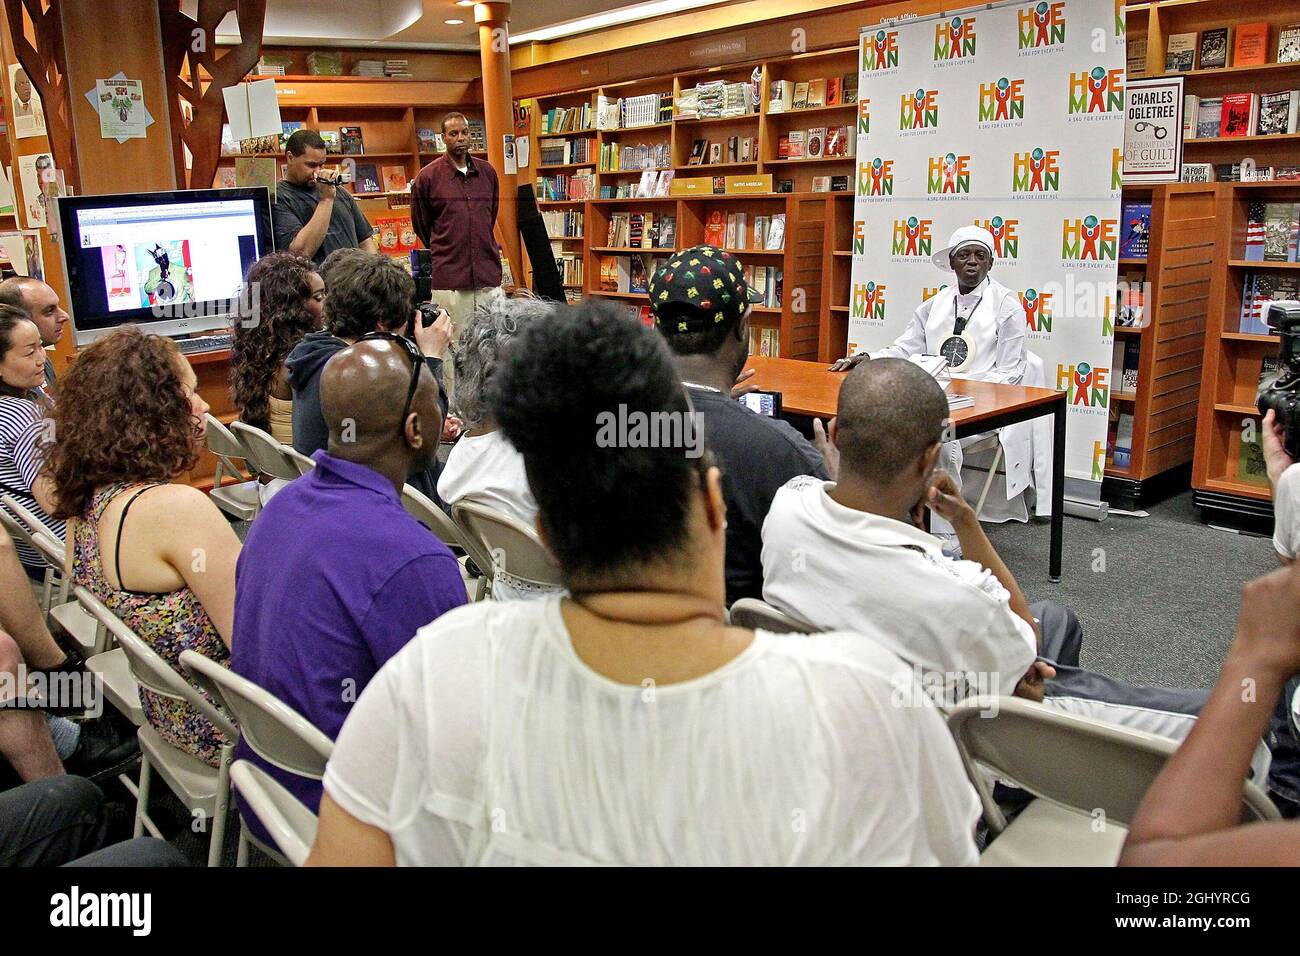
[{"x": 422, "y": 589}]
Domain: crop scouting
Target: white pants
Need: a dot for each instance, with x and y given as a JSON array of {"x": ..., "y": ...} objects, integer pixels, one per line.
[{"x": 460, "y": 305}]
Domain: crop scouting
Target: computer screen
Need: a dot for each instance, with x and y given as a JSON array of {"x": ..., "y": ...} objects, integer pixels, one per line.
[{"x": 172, "y": 261}]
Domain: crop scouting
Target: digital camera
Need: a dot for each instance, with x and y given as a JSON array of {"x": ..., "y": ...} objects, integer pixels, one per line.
[{"x": 1279, "y": 389}]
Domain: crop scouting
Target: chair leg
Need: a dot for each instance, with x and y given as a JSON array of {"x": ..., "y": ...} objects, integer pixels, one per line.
[
  {"x": 241, "y": 857},
  {"x": 988, "y": 482},
  {"x": 220, "y": 811},
  {"x": 142, "y": 797}
]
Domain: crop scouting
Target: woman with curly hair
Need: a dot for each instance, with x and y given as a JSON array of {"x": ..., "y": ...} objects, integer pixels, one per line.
[
  {"x": 129, "y": 424},
  {"x": 290, "y": 302}
]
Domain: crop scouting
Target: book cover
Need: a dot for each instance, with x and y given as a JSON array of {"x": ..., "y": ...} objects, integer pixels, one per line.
[
  {"x": 477, "y": 134},
  {"x": 1191, "y": 107},
  {"x": 816, "y": 93},
  {"x": 797, "y": 140},
  {"x": 1123, "y": 441},
  {"x": 1208, "y": 115},
  {"x": 833, "y": 91},
  {"x": 430, "y": 140},
  {"x": 800, "y": 96},
  {"x": 1254, "y": 248},
  {"x": 849, "y": 88},
  {"x": 1132, "y": 356},
  {"x": 351, "y": 141},
  {"x": 287, "y": 130},
  {"x": 839, "y": 184},
  {"x": 1276, "y": 111},
  {"x": 1198, "y": 173},
  {"x": 1180, "y": 53},
  {"x": 1281, "y": 220},
  {"x": 776, "y": 233},
  {"x": 780, "y": 96},
  {"x": 1136, "y": 56},
  {"x": 715, "y": 230},
  {"x": 226, "y": 177},
  {"x": 1250, "y": 460},
  {"x": 1135, "y": 230},
  {"x": 228, "y": 145},
  {"x": 333, "y": 146},
  {"x": 1214, "y": 48},
  {"x": 816, "y": 142},
  {"x": 1235, "y": 119},
  {"x": 394, "y": 179},
  {"x": 783, "y": 146},
  {"x": 608, "y": 274},
  {"x": 821, "y": 184},
  {"x": 366, "y": 179},
  {"x": 1288, "y": 44},
  {"x": 255, "y": 172},
  {"x": 1250, "y": 45},
  {"x": 639, "y": 278},
  {"x": 699, "y": 148}
]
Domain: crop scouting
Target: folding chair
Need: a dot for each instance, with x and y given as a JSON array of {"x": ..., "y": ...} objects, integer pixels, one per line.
[
  {"x": 275, "y": 731},
  {"x": 753, "y": 613},
  {"x": 265, "y": 453},
  {"x": 21, "y": 535},
  {"x": 507, "y": 546},
  {"x": 110, "y": 663},
  {"x": 240, "y": 500},
  {"x": 422, "y": 509},
  {"x": 303, "y": 463},
  {"x": 1089, "y": 777},
  {"x": 200, "y": 787},
  {"x": 291, "y": 825}
]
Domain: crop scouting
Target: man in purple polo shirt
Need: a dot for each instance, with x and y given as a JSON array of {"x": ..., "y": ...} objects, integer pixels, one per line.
[
  {"x": 335, "y": 576},
  {"x": 454, "y": 204}
]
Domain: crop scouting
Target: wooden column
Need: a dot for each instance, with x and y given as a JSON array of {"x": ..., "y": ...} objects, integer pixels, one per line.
[{"x": 493, "y": 21}]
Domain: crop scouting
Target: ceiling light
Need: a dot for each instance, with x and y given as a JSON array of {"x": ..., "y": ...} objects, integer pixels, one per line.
[
  {"x": 640, "y": 11},
  {"x": 453, "y": 23},
  {"x": 466, "y": 3}
]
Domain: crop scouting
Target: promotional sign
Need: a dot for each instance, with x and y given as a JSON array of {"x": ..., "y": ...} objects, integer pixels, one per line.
[
  {"x": 1011, "y": 118},
  {"x": 1153, "y": 130}
]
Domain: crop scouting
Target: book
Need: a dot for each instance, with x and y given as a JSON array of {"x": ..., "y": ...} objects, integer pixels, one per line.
[
  {"x": 733, "y": 149},
  {"x": 1281, "y": 221},
  {"x": 226, "y": 177},
  {"x": 351, "y": 141},
  {"x": 1250, "y": 45},
  {"x": 333, "y": 146},
  {"x": 366, "y": 179},
  {"x": 800, "y": 96},
  {"x": 780, "y": 96},
  {"x": 430, "y": 140},
  {"x": 1277, "y": 112},
  {"x": 1288, "y": 44},
  {"x": 1251, "y": 467},
  {"x": 783, "y": 146},
  {"x": 1257, "y": 291},
  {"x": 250, "y": 171},
  {"x": 715, "y": 229},
  {"x": 394, "y": 179},
  {"x": 1180, "y": 53},
  {"x": 699, "y": 149},
  {"x": 785, "y": 185},
  {"x": 1136, "y": 56},
  {"x": 1131, "y": 301},
  {"x": 834, "y": 91},
  {"x": 287, "y": 130},
  {"x": 849, "y": 88},
  {"x": 837, "y": 141},
  {"x": 839, "y": 184},
  {"x": 1254, "y": 247},
  {"x": 1240, "y": 111},
  {"x": 1191, "y": 106},
  {"x": 816, "y": 94},
  {"x": 1135, "y": 230},
  {"x": 639, "y": 276},
  {"x": 1198, "y": 173},
  {"x": 1208, "y": 114},
  {"x": 608, "y": 274},
  {"x": 816, "y": 142},
  {"x": 1132, "y": 356},
  {"x": 821, "y": 184},
  {"x": 477, "y": 134},
  {"x": 1214, "y": 48},
  {"x": 1123, "y": 441},
  {"x": 715, "y": 154},
  {"x": 796, "y": 143},
  {"x": 776, "y": 233}
]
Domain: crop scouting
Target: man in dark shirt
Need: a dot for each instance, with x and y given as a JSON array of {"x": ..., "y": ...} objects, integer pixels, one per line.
[
  {"x": 312, "y": 218},
  {"x": 454, "y": 204},
  {"x": 701, "y": 304}
]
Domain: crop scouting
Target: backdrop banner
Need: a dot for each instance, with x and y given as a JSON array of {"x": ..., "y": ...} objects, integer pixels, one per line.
[{"x": 1010, "y": 117}]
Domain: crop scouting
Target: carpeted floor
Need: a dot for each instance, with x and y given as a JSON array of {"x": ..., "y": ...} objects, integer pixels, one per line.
[{"x": 1162, "y": 605}]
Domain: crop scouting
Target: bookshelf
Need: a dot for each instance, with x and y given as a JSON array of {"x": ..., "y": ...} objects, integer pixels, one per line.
[{"x": 1232, "y": 362}]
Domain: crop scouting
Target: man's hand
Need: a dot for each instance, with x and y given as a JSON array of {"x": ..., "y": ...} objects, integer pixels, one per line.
[
  {"x": 451, "y": 428},
  {"x": 1276, "y": 460},
  {"x": 743, "y": 384},
  {"x": 1268, "y": 627},
  {"x": 944, "y": 499},
  {"x": 823, "y": 443},
  {"x": 326, "y": 190},
  {"x": 1033, "y": 686},
  {"x": 844, "y": 364},
  {"x": 433, "y": 339}
]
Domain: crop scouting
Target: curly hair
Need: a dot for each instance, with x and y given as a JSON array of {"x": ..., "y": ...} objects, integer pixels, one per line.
[
  {"x": 478, "y": 348},
  {"x": 123, "y": 415},
  {"x": 266, "y": 330}
]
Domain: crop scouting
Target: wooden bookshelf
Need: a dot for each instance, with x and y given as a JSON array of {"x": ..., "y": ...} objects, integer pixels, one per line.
[{"x": 1232, "y": 362}]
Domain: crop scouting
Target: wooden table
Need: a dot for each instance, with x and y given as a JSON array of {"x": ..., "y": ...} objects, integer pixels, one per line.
[{"x": 810, "y": 388}]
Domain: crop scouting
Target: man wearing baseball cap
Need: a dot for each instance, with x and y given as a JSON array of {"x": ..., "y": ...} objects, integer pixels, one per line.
[
  {"x": 701, "y": 303},
  {"x": 978, "y": 325}
]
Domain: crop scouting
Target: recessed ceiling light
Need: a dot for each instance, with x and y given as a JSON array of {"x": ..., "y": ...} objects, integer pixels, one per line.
[
  {"x": 453, "y": 23},
  {"x": 465, "y": 3},
  {"x": 639, "y": 11}
]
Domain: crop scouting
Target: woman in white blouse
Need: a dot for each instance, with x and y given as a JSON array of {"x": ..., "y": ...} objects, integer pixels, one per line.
[{"x": 629, "y": 723}]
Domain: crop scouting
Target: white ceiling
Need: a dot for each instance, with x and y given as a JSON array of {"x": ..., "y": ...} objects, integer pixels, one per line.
[{"x": 417, "y": 24}]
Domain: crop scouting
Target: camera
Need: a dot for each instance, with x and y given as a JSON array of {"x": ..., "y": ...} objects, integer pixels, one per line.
[
  {"x": 428, "y": 313},
  {"x": 1279, "y": 389}
]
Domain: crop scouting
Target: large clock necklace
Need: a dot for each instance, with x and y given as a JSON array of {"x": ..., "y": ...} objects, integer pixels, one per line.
[{"x": 959, "y": 349}]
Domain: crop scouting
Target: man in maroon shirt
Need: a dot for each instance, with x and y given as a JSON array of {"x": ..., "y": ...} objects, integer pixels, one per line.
[{"x": 454, "y": 210}]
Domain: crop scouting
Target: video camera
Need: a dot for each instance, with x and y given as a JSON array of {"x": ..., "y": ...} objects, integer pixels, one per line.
[{"x": 1280, "y": 389}]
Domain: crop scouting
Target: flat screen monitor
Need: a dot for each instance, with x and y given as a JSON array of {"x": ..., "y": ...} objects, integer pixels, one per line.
[{"x": 173, "y": 262}]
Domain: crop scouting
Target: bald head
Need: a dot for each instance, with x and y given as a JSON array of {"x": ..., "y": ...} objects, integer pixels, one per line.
[
  {"x": 39, "y": 301},
  {"x": 362, "y": 391},
  {"x": 890, "y": 412}
]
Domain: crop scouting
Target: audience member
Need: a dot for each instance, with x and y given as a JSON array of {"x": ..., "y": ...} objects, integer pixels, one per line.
[
  {"x": 24, "y": 425},
  {"x": 841, "y": 555},
  {"x": 129, "y": 426},
  {"x": 701, "y": 304},
  {"x": 313, "y": 216},
  {"x": 630, "y": 723},
  {"x": 483, "y": 466},
  {"x": 41, "y": 303},
  {"x": 335, "y": 576},
  {"x": 1191, "y": 815},
  {"x": 20, "y": 614}
]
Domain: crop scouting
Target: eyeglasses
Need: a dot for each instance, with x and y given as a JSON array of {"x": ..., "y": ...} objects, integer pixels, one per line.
[{"x": 417, "y": 362}]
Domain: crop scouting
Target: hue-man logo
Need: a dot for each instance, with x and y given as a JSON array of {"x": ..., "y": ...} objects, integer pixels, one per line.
[
  {"x": 1038, "y": 310},
  {"x": 869, "y": 301},
  {"x": 1098, "y": 459},
  {"x": 930, "y": 291},
  {"x": 880, "y": 50},
  {"x": 1036, "y": 171},
  {"x": 864, "y": 117},
  {"x": 1006, "y": 244},
  {"x": 1089, "y": 238},
  {"x": 1097, "y": 91},
  {"x": 876, "y": 178},
  {"x": 949, "y": 173},
  {"x": 954, "y": 39},
  {"x": 919, "y": 110},
  {"x": 1003, "y": 100},
  {"x": 1042, "y": 24},
  {"x": 1084, "y": 385},
  {"x": 912, "y": 237},
  {"x": 859, "y": 237},
  {"x": 1116, "y": 168}
]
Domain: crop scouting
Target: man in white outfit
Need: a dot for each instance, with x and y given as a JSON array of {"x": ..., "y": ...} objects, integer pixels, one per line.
[{"x": 979, "y": 327}]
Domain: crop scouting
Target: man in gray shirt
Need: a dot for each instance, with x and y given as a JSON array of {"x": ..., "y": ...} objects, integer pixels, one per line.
[{"x": 312, "y": 218}]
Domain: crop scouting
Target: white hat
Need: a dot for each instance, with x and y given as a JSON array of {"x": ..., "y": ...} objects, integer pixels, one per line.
[{"x": 962, "y": 237}]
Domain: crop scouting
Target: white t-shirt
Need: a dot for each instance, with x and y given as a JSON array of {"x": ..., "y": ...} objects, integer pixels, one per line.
[
  {"x": 488, "y": 469},
  {"x": 487, "y": 740},
  {"x": 835, "y": 567},
  {"x": 1286, "y": 513}
]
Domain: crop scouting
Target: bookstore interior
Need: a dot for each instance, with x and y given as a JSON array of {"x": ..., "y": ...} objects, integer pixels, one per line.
[{"x": 1081, "y": 217}]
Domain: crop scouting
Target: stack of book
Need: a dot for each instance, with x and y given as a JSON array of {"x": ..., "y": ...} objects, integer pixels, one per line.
[
  {"x": 563, "y": 223},
  {"x": 787, "y": 96},
  {"x": 1241, "y": 114},
  {"x": 560, "y": 152},
  {"x": 628, "y": 273},
  {"x": 765, "y": 342},
  {"x": 641, "y": 230},
  {"x": 734, "y": 149},
  {"x": 368, "y": 68},
  {"x": 820, "y": 142},
  {"x": 430, "y": 140},
  {"x": 272, "y": 64},
  {"x": 1219, "y": 47},
  {"x": 325, "y": 63},
  {"x": 398, "y": 69},
  {"x": 1258, "y": 289},
  {"x": 645, "y": 110},
  {"x": 580, "y": 186},
  {"x": 570, "y": 266},
  {"x": 615, "y": 158},
  {"x": 561, "y": 119}
]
